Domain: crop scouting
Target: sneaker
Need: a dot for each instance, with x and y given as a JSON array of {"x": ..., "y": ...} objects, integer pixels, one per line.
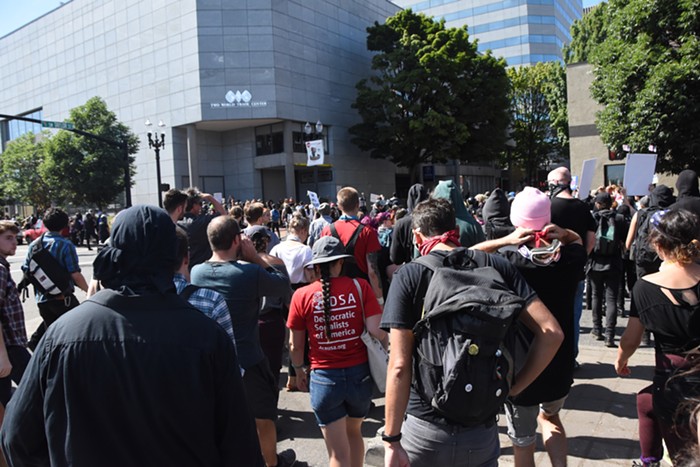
[
  {"x": 645, "y": 464},
  {"x": 597, "y": 333},
  {"x": 610, "y": 341},
  {"x": 286, "y": 458}
]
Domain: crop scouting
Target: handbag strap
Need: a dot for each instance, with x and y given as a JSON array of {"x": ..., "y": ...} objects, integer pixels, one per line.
[{"x": 362, "y": 301}]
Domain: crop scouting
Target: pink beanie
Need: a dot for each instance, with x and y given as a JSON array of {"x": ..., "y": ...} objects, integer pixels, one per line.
[{"x": 531, "y": 209}]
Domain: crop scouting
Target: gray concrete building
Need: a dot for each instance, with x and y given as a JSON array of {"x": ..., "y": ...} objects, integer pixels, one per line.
[
  {"x": 584, "y": 138},
  {"x": 235, "y": 81}
]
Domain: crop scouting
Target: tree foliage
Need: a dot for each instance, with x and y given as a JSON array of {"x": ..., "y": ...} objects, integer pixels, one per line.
[
  {"x": 91, "y": 172},
  {"x": 647, "y": 77},
  {"x": 586, "y": 34},
  {"x": 539, "y": 125},
  {"x": 22, "y": 176},
  {"x": 432, "y": 97}
]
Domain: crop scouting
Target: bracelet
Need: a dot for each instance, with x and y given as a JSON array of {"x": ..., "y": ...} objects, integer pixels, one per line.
[
  {"x": 390, "y": 439},
  {"x": 381, "y": 300}
]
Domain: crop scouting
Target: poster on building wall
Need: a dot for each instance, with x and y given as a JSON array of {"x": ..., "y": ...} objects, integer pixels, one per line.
[
  {"x": 314, "y": 152},
  {"x": 313, "y": 197},
  {"x": 586, "y": 179},
  {"x": 639, "y": 173}
]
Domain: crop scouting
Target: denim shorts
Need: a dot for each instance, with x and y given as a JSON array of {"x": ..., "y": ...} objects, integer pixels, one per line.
[
  {"x": 522, "y": 420},
  {"x": 337, "y": 393}
]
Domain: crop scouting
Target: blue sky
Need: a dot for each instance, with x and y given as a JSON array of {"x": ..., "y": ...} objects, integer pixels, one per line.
[{"x": 16, "y": 13}]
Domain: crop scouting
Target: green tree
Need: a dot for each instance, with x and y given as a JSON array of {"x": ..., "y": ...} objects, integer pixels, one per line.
[
  {"x": 539, "y": 125},
  {"x": 432, "y": 98},
  {"x": 23, "y": 167},
  {"x": 96, "y": 169},
  {"x": 586, "y": 34},
  {"x": 647, "y": 77}
]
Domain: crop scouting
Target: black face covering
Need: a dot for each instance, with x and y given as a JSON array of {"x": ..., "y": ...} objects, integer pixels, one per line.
[{"x": 556, "y": 188}]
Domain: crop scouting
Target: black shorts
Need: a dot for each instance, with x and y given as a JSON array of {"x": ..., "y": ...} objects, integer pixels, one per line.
[{"x": 261, "y": 390}]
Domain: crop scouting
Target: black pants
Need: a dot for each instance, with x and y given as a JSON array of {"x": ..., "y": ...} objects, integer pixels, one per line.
[
  {"x": 19, "y": 358},
  {"x": 50, "y": 311},
  {"x": 605, "y": 284}
]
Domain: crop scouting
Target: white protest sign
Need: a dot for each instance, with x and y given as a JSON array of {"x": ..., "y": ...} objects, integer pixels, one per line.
[
  {"x": 373, "y": 198},
  {"x": 586, "y": 180},
  {"x": 314, "y": 152},
  {"x": 639, "y": 173},
  {"x": 574, "y": 183},
  {"x": 219, "y": 197},
  {"x": 313, "y": 197}
]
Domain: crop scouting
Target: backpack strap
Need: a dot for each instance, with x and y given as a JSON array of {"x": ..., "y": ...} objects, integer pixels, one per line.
[
  {"x": 350, "y": 246},
  {"x": 188, "y": 291}
]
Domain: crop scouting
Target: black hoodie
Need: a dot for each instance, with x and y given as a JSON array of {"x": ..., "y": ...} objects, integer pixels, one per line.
[
  {"x": 688, "y": 193},
  {"x": 496, "y": 214},
  {"x": 401, "y": 250}
]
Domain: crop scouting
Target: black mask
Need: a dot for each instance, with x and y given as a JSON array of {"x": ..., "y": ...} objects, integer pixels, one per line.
[{"x": 556, "y": 188}]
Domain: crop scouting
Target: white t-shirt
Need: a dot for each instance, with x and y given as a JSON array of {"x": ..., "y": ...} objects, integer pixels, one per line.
[{"x": 295, "y": 255}]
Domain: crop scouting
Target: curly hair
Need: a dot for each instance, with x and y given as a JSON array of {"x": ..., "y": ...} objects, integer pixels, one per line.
[{"x": 676, "y": 235}]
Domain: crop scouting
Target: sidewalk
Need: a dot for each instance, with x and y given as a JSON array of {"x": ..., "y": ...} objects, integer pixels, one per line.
[{"x": 599, "y": 416}]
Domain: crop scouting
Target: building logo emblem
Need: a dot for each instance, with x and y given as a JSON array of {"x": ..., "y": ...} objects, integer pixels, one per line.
[{"x": 238, "y": 99}]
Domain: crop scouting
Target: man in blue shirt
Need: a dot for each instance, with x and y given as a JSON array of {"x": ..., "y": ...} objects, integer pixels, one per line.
[
  {"x": 243, "y": 277},
  {"x": 52, "y": 307}
]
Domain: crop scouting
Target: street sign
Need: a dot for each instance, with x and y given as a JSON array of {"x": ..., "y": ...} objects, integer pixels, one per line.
[{"x": 59, "y": 125}]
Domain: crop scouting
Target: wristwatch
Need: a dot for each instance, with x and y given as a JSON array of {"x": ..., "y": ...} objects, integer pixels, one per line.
[{"x": 390, "y": 439}]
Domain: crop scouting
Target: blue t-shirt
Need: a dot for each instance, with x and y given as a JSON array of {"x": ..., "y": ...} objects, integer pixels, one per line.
[
  {"x": 243, "y": 285},
  {"x": 60, "y": 248}
]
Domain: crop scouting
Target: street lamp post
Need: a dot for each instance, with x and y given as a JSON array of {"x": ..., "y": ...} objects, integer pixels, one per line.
[
  {"x": 311, "y": 135},
  {"x": 156, "y": 144}
]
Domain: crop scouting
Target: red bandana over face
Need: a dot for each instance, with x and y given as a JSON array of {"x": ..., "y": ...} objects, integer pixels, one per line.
[{"x": 451, "y": 236}]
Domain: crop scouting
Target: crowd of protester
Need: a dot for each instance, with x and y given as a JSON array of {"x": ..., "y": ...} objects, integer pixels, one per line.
[{"x": 292, "y": 285}]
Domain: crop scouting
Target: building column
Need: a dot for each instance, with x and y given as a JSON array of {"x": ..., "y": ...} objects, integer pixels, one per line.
[
  {"x": 289, "y": 176},
  {"x": 192, "y": 156}
]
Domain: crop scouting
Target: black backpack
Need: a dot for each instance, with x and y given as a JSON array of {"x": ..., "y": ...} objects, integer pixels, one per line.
[
  {"x": 350, "y": 268},
  {"x": 463, "y": 367},
  {"x": 645, "y": 256},
  {"x": 606, "y": 242},
  {"x": 45, "y": 273}
]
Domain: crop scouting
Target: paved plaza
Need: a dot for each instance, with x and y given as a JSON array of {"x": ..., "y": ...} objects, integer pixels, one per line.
[{"x": 599, "y": 416}]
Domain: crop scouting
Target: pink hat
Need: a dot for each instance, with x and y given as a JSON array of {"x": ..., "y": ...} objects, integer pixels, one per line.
[{"x": 531, "y": 209}]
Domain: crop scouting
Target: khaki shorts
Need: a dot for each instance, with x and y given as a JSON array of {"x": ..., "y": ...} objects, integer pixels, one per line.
[{"x": 522, "y": 420}]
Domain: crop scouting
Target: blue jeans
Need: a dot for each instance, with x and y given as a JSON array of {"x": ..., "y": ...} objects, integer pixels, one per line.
[
  {"x": 431, "y": 445},
  {"x": 340, "y": 392}
]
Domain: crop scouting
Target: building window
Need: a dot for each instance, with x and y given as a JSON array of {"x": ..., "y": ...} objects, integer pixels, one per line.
[
  {"x": 13, "y": 129},
  {"x": 269, "y": 139}
]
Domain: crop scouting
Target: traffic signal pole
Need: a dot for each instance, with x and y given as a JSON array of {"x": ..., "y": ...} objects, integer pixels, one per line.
[{"x": 117, "y": 144}]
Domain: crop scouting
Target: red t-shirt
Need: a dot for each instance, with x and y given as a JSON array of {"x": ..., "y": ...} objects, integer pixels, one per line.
[
  {"x": 367, "y": 242},
  {"x": 345, "y": 348}
]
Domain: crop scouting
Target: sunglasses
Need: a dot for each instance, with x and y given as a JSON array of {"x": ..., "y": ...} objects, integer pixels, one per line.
[{"x": 542, "y": 256}]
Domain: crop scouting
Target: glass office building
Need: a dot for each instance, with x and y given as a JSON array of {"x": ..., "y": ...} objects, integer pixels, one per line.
[{"x": 524, "y": 32}]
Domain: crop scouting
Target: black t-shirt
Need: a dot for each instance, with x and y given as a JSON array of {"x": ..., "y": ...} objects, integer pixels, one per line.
[
  {"x": 676, "y": 328},
  {"x": 404, "y": 306},
  {"x": 556, "y": 286},
  {"x": 196, "y": 227},
  {"x": 572, "y": 213}
]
